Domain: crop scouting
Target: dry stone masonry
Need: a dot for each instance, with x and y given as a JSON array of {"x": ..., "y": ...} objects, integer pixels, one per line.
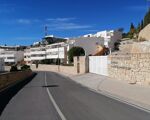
[{"x": 133, "y": 68}]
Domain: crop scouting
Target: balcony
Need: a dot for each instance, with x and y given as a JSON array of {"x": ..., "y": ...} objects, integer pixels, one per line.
[{"x": 37, "y": 53}]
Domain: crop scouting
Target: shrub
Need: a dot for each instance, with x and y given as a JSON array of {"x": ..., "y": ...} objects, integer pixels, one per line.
[
  {"x": 25, "y": 67},
  {"x": 75, "y": 51},
  {"x": 13, "y": 68}
]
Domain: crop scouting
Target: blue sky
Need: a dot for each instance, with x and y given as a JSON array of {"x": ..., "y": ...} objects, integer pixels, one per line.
[{"x": 22, "y": 21}]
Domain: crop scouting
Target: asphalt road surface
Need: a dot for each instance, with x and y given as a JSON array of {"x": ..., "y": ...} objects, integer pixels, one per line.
[{"x": 50, "y": 96}]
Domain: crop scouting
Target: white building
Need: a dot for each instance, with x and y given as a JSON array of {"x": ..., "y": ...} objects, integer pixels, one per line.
[
  {"x": 89, "y": 44},
  {"x": 57, "y": 50},
  {"x": 11, "y": 55},
  {"x": 38, "y": 53},
  {"x": 27, "y": 56},
  {"x": 2, "y": 64},
  {"x": 110, "y": 37},
  {"x": 49, "y": 52}
]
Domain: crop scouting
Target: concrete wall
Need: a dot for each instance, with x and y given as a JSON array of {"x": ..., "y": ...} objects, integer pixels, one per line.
[
  {"x": 54, "y": 68},
  {"x": 80, "y": 67},
  {"x": 9, "y": 78},
  {"x": 133, "y": 68}
]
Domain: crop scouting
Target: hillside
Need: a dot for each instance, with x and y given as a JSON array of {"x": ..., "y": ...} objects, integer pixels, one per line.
[{"x": 144, "y": 34}]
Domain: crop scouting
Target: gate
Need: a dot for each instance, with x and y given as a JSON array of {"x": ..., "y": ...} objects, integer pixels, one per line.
[{"x": 98, "y": 65}]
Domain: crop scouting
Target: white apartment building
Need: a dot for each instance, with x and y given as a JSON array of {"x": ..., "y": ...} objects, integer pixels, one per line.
[
  {"x": 11, "y": 55},
  {"x": 2, "y": 64},
  {"x": 49, "y": 52},
  {"x": 57, "y": 50},
  {"x": 27, "y": 56},
  {"x": 38, "y": 53},
  {"x": 110, "y": 37},
  {"x": 34, "y": 54}
]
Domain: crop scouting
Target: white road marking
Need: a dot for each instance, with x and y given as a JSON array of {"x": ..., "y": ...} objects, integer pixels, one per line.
[{"x": 53, "y": 101}]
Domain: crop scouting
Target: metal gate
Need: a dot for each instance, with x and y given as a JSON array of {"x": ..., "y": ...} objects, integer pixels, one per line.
[{"x": 98, "y": 65}]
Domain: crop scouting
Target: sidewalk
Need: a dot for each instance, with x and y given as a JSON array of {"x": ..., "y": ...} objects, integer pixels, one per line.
[{"x": 135, "y": 95}]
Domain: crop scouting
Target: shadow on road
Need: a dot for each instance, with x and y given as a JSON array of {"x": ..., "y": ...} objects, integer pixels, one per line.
[
  {"x": 51, "y": 86},
  {"x": 7, "y": 94}
]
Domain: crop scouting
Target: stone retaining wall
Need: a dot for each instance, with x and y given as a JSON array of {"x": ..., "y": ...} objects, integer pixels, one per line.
[
  {"x": 134, "y": 68},
  {"x": 9, "y": 78}
]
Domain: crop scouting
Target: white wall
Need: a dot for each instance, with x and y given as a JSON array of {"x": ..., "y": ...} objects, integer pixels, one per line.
[{"x": 89, "y": 44}]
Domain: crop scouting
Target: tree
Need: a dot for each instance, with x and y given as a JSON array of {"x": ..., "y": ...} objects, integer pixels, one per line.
[
  {"x": 120, "y": 29},
  {"x": 147, "y": 18},
  {"x": 132, "y": 31},
  {"x": 142, "y": 24},
  {"x": 132, "y": 28},
  {"x": 75, "y": 51},
  {"x": 138, "y": 28}
]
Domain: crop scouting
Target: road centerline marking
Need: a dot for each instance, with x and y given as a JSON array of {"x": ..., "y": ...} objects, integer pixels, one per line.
[{"x": 53, "y": 101}]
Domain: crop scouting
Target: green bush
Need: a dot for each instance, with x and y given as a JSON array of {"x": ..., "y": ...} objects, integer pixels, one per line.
[
  {"x": 75, "y": 51},
  {"x": 13, "y": 68},
  {"x": 25, "y": 67}
]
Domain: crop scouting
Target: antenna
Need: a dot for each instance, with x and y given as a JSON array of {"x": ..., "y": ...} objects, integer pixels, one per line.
[{"x": 46, "y": 30}]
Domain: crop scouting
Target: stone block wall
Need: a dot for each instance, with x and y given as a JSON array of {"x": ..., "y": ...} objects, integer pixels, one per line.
[{"x": 133, "y": 68}]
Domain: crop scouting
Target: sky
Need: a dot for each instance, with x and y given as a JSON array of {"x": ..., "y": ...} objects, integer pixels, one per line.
[{"x": 22, "y": 21}]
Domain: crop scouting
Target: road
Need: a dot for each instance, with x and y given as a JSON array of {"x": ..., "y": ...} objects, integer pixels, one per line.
[{"x": 50, "y": 96}]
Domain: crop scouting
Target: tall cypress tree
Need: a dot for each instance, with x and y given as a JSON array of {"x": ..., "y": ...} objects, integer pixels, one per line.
[
  {"x": 142, "y": 24},
  {"x": 138, "y": 28},
  {"x": 146, "y": 18},
  {"x": 132, "y": 28}
]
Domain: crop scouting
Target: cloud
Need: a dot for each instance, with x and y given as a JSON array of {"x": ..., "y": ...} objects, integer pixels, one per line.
[
  {"x": 24, "y": 21},
  {"x": 60, "y": 19},
  {"x": 27, "y": 21},
  {"x": 65, "y": 24},
  {"x": 68, "y": 26}
]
